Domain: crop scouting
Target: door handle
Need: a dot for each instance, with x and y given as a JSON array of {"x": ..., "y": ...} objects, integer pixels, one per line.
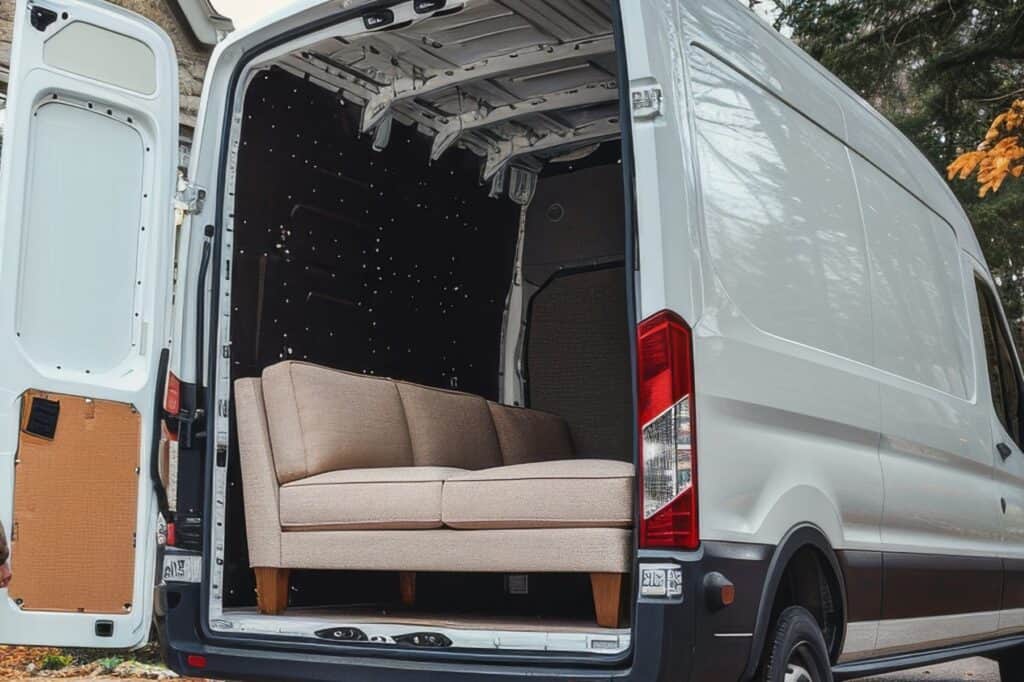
[{"x": 1004, "y": 451}]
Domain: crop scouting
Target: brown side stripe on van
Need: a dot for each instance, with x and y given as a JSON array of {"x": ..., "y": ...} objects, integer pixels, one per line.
[
  {"x": 863, "y": 573},
  {"x": 925, "y": 585},
  {"x": 1013, "y": 583}
]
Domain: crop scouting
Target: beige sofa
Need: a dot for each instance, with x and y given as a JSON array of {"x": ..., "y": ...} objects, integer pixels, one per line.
[{"x": 354, "y": 472}]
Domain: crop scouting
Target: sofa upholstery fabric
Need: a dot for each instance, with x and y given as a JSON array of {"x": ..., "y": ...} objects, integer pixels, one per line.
[
  {"x": 323, "y": 419},
  {"x": 573, "y": 493},
  {"x": 351, "y": 472},
  {"x": 530, "y": 436},
  {"x": 380, "y": 498},
  {"x": 534, "y": 550},
  {"x": 260, "y": 489},
  {"x": 449, "y": 428}
]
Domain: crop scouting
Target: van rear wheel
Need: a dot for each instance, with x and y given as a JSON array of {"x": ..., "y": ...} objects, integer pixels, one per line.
[{"x": 797, "y": 652}]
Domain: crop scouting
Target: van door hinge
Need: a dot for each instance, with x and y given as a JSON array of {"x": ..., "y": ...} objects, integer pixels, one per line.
[
  {"x": 189, "y": 198},
  {"x": 646, "y": 99}
]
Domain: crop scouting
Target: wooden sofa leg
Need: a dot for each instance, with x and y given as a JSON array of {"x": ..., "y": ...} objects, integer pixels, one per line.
[
  {"x": 407, "y": 587},
  {"x": 271, "y": 590},
  {"x": 607, "y": 588}
]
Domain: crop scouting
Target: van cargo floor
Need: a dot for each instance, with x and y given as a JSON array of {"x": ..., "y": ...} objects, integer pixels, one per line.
[{"x": 463, "y": 630}]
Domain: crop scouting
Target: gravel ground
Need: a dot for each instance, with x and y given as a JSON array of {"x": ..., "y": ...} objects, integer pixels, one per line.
[
  {"x": 972, "y": 669},
  {"x": 14, "y": 659}
]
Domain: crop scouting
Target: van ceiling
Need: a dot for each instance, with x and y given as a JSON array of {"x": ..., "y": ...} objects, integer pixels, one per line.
[{"x": 518, "y": 82}]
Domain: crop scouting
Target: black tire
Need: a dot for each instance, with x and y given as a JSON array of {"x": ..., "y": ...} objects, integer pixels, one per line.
[
  {"x": 797, "y": 651},
  {"x": 1011, "y": 665}
]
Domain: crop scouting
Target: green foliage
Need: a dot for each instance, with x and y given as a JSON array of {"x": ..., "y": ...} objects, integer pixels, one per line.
[
  {"x": 941, "y": 70},
  {"x": 56, "y": 661},
  {"x": 107, "y": 665}
]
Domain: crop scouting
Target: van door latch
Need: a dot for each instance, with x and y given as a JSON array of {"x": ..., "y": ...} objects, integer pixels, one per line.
[
  {"x": 647, "y": 101},
  {"x": 189, "y": 198}
]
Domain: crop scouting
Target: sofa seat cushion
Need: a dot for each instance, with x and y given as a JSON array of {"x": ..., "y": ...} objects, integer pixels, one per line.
[
  {"x": 360, "y": 499},
  {"x": 569, "y": 493}
]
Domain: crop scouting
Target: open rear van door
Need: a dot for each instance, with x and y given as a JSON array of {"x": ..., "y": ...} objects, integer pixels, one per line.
[{"x": 86, "y": 201}]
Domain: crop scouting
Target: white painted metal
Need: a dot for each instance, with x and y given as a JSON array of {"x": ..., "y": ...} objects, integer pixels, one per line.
[
  {"x": 76, "y": 303},
  {"x": 422, "y": 85},
  {"x": 595, "y": 640},
  {"x": 596, "y": 93},
  {"x": 907, "y": 634},
  {"x": 513, "y": 324},
  {"x": 103, "y": 55},
  {"x": 86, "y": 243},
  {"x": 787, "y": 400},
  {"x": 819, "y": 235},
  {"x": 860, "y": 640},
  {"x": 506, "y": 151},
  {"x": 911, "y": 633}
]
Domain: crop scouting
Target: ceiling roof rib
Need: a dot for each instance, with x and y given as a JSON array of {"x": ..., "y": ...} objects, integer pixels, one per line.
[{"x": 514, "y": 81}]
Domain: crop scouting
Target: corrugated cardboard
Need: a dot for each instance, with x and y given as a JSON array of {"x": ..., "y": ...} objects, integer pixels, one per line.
[{"x": 73, "y": 539}]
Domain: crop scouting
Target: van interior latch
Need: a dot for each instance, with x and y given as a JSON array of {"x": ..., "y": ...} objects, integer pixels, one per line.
[{"x": 189, "y": 198}]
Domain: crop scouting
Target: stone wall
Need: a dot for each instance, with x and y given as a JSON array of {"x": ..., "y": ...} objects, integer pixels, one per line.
[{"x": 192, "y": 56}]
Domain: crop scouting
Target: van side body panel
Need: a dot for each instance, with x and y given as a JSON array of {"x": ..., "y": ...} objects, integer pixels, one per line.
[
  {"x": 787, "y": 407},
  {"x": 835, "y": 353}
]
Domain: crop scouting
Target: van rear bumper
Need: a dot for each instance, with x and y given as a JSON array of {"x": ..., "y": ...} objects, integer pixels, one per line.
[{"x": 681, "y": 641}]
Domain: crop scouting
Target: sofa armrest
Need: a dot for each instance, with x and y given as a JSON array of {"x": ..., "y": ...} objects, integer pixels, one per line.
[{"x": 260, "y": 487}]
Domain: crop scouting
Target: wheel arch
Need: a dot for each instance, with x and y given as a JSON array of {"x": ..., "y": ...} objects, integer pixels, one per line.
[{"x": 798, "y": 541}]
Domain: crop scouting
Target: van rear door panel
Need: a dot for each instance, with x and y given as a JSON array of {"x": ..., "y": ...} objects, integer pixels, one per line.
[{"x": 86, "y": 243}]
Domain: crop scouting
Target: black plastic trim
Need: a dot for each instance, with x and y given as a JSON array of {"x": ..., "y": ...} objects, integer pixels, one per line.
[
  {"x": 158, "y": 422},
  {"x": 43, "y": 415},
  {"x": 799, "y": 537},
  {"x": 204, "y": 265}
]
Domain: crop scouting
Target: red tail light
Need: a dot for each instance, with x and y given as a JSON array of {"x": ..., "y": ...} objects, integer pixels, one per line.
[
  {"x": 668, "y": 442},
  {"x": 196, "y": 661}
]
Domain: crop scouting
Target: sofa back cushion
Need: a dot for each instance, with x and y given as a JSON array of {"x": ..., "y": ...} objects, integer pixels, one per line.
[
  {"x": 323, "y": 420},
  {"x": 449, "y": 429},
  {"x": 530, "y": 436}
]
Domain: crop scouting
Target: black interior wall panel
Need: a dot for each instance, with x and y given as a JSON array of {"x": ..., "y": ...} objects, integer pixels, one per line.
[
  {"x": 377, "y": 262},
  {"x": 364, "y": 261},
  {"x": 583, "y": 312},
  {"x": 577, "y": 344},
  {"x": 577, "y": 215}
]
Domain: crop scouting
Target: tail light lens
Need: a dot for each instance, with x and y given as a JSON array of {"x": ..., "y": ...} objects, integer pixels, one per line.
[
  {"x": 172, "y": 398},
  {"x": 668, "y": 452}
]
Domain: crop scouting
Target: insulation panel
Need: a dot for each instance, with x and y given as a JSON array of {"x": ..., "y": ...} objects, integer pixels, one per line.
[{"x": 75, "y": 497}]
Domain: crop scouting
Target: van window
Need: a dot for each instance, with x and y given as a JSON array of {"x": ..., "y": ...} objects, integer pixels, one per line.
[
  {"x": 781, "y": 214},
  {"x": 1002, "y": 372},
  {"x": 917, "y": 291}
]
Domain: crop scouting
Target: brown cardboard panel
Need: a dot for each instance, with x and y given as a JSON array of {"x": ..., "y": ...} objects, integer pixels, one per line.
[{"x": 73, "y": 540}]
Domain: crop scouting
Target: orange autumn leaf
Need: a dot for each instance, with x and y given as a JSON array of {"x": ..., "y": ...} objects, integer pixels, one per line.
[{"x": 1000, "y": 154}]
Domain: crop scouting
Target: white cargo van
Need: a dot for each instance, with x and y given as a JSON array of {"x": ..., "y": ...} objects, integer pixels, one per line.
[{"x": 494, "y": 339}]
